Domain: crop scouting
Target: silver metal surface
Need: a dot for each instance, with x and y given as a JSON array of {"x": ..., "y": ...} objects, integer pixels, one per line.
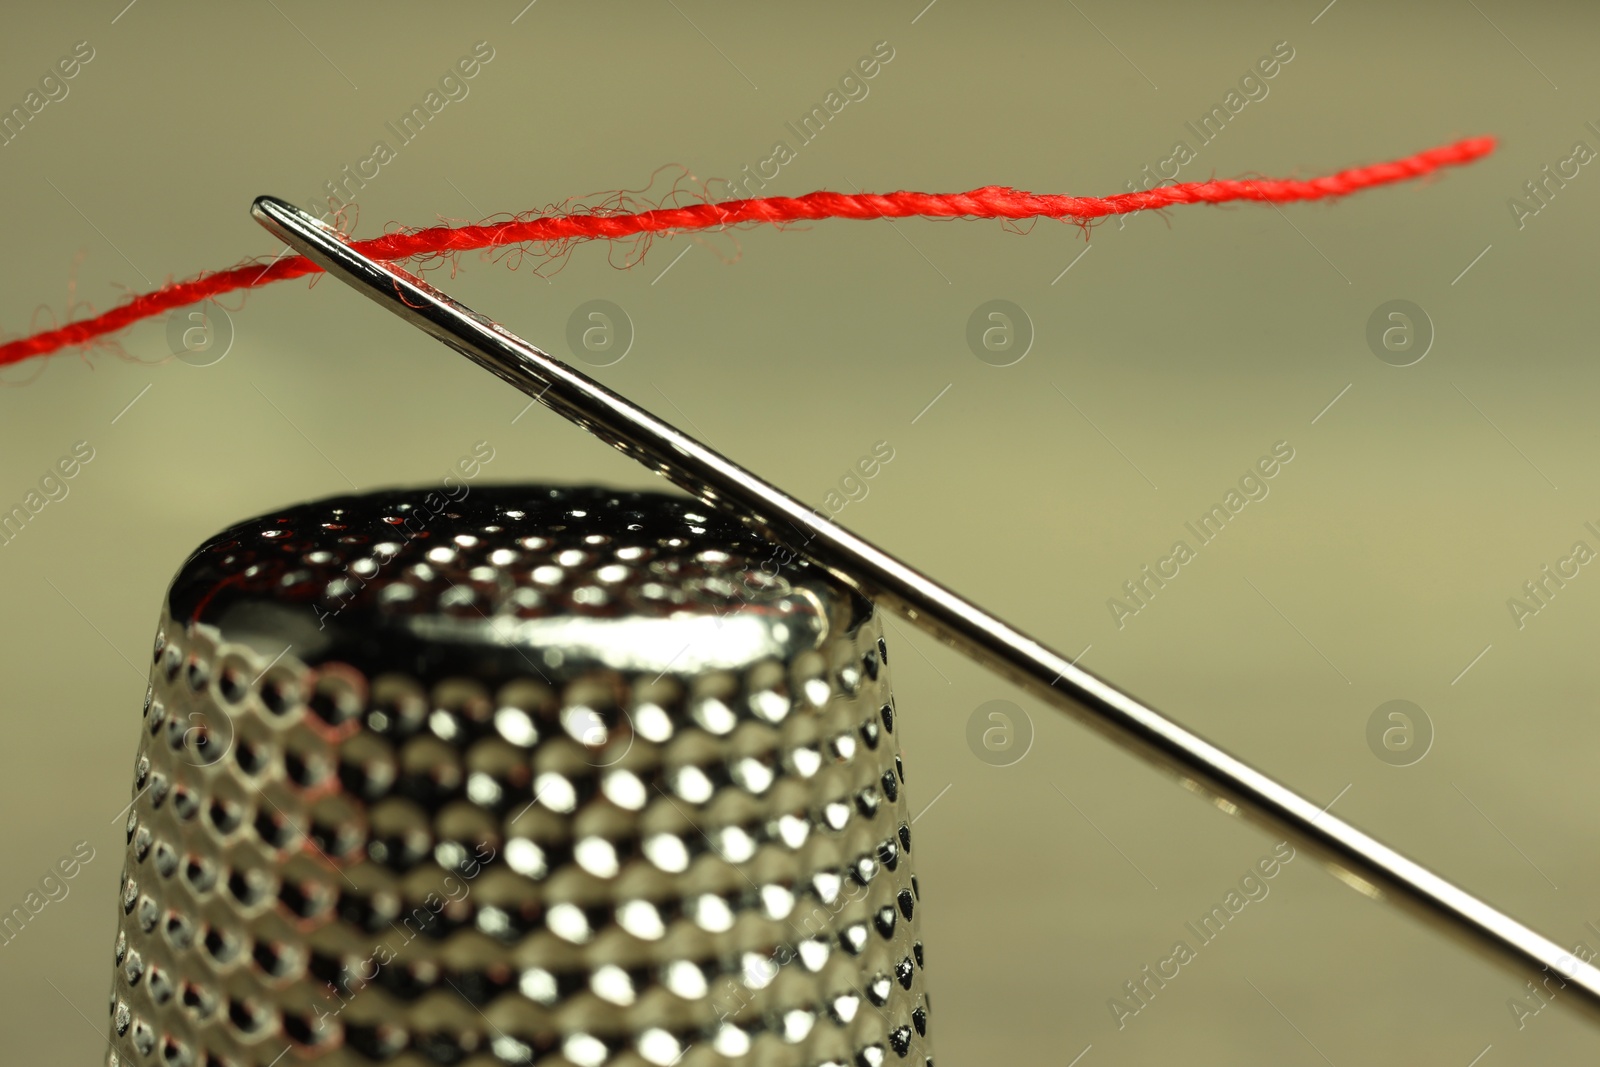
[
  {"x": 1362, "y": 860},
  {"x": 516, "y": 775}
]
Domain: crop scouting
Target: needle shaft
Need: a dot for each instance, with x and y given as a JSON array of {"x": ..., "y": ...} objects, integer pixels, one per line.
[{"x": 1232, "y": 784}]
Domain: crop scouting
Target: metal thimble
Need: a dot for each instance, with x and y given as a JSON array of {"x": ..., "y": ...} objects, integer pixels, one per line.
[{"x": 516, "y": 775}]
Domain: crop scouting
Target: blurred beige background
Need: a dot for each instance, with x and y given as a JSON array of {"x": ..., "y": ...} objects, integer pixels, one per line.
[{"x": 1377, "y": 569}]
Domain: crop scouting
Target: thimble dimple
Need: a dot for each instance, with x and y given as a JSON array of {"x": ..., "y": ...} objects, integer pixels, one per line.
[{"x": 533, "y": 776}]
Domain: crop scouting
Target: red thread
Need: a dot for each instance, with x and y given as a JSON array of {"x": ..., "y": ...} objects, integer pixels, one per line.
[{"x": 990, "y": 202}]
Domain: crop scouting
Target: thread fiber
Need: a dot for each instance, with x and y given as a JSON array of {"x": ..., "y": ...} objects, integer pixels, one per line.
[{"x": 989, "y": 202}]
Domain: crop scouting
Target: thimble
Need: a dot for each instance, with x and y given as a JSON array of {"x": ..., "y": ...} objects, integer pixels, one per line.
[{"x": 516, "y": 775}]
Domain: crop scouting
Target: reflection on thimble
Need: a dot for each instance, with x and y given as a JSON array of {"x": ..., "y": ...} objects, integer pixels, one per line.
[{"x": 529, "y": 776}]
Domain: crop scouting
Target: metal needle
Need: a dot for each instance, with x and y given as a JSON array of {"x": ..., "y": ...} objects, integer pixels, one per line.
[{"x": 1234, "y": 785}]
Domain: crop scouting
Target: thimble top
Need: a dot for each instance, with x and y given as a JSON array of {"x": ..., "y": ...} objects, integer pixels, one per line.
[{"x": 506, "y": 578}]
